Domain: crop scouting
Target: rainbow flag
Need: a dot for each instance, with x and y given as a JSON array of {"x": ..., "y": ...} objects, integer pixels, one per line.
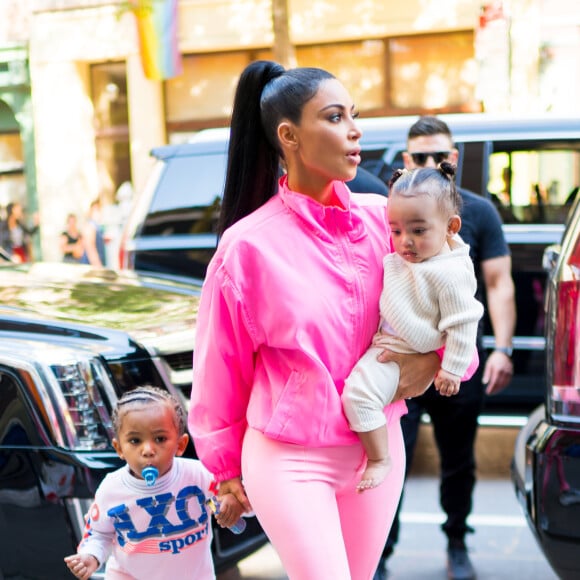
[{"x": 157, "y": 31}]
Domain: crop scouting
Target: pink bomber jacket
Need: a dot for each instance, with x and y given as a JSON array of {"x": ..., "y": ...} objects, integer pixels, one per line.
[{"x": 289, "y": 304}]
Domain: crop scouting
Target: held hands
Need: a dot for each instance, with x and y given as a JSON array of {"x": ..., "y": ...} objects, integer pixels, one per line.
[
  {"x": 82, "y": 566},
  {"x": 234, "y": 502},
  {"x": 447, "y": 383},
  {"x": 417, "y": 372}
]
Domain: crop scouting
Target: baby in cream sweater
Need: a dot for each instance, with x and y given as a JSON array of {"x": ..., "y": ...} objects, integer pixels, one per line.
[{"x": 428, "y": 302}]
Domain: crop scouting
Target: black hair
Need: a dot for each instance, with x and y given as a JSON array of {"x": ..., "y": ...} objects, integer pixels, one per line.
[
  {"x": 10, "y": 208},
  {"x": 427, "y": 126},
  {"x": 148, "y": 395},
  {"x": 437, "y": 182},
  {"x": 266, "y": 94}
]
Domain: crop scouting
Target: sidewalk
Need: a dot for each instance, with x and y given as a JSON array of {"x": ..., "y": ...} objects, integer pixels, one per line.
[{"x": 502, "y": 548}]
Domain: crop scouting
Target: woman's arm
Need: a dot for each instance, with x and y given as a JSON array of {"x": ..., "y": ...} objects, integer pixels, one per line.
[{"x": 222, "y": 377}]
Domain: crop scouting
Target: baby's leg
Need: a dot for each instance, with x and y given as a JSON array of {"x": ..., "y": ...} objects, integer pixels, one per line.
[
  {"x": 370, "y": 386},
  {"x": 376, "y": 444}
]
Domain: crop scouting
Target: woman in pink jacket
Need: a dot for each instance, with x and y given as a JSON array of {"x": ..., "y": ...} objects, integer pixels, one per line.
[{"x": 289, "y": 304}]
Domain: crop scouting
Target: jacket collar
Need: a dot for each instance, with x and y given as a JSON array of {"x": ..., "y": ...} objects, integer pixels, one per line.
[{"x": 324, "y": 221}]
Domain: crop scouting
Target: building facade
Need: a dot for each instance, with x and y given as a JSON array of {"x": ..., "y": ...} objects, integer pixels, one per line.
[{"x": 95, "y": 114}]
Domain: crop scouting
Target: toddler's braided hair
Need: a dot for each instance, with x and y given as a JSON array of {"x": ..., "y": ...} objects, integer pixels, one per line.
[{"x": 148, "y": 395}]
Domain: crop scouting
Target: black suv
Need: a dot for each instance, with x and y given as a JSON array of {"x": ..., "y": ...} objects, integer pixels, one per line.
[
  {"x": 72, "y": 340},
  {"x": 546, "y": 466},
  {"x": 529, "y": 166}
]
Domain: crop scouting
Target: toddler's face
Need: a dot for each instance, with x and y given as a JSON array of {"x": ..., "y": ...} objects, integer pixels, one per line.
[
  {"x": 419, "y": 228},
  {"x": 148, "y": 436}
]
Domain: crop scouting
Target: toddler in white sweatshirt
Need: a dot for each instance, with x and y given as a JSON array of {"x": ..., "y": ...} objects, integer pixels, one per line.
[{"x": 154, "y": 527}]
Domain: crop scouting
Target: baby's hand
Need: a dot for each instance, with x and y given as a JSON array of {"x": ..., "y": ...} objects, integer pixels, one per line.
[
  {"x": 82, "y": 565},
  {"x": 230, "y": 510},
  {"x": 447, "y": 383}
]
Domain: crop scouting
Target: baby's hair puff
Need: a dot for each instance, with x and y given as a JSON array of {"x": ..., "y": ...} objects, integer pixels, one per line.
[
  {"x": 436, "y": 182},
  {"x": 148, "y": 395}
]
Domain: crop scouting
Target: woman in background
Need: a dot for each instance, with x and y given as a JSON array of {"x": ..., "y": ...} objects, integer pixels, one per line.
[
  {"x": 71, "y": 244},
  {"x": 15, "y": 237}
]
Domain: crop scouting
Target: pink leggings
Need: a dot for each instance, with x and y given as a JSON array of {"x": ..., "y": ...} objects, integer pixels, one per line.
[{"x": 306, "y": 501}]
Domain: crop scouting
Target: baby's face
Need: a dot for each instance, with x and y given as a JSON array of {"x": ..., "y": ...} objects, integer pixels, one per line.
[
  {"x": 418, "y": 227},
  {"x": 147, "y": 436}
]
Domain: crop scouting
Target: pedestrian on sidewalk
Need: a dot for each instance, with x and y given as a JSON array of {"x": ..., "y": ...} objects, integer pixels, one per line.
[
  {"x": 16, "y": 234},
  {"x": 71, "y": 244},
  {"x": 93, "y": 238}
]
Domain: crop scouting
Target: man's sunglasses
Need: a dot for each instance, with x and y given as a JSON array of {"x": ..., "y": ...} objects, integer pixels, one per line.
[{"x": 438, "y": 156}]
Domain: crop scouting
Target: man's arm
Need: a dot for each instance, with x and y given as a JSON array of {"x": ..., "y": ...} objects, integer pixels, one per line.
[{"x": 499, "y": 287}]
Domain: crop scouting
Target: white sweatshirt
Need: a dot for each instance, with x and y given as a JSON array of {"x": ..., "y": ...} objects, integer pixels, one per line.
[{"x": 153, "y": 533}]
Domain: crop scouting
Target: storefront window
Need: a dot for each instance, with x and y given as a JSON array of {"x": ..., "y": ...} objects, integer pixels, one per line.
[
  {"x": 403, "y": 75},
  {"x": 359, "y": 65},
  {"x": 12, "y": 181},
  {"x": 435, "y": 72},
  {"x": 111, "y": 117},
  {"x": 203, "y": 95}
]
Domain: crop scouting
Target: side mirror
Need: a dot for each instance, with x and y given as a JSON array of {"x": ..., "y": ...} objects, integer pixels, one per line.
[{"x": 550, "y": 257}]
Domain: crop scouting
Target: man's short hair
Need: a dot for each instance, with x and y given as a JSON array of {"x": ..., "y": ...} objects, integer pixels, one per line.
[{"x": 429, "y": 125}]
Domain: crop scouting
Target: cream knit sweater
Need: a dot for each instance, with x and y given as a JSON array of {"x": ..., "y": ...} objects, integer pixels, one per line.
[{"x": 426, "y": 305}]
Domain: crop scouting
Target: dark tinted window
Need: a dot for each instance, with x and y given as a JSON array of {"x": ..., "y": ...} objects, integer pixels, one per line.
[
  {"x": 16, "y": 425},
  {"x": 188, "y": 196}
]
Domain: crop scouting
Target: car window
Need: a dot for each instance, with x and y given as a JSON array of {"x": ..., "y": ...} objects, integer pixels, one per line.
[
  {"x": 531, "y": 181},
  {"x": 383, "y": 161},
  {"x": 187, "y": 198},
  {"x": 534, "y": 186}
]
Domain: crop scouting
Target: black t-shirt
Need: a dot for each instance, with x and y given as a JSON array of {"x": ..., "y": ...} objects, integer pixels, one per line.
[
  {"x": 481, "y": 228},
  {"x": 70, "y": 240},
  {"x": 366, "y": 182}
]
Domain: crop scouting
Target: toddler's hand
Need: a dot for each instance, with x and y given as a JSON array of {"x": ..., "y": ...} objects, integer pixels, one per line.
[
  {"x": 447, "y": 383},
  {"x": 235, "y": 487},
  {"x": 82, "y": 565},
  {"x": 230, "y": 510}
]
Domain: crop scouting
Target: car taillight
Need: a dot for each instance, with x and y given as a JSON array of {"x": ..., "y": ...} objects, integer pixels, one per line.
[
  {"x": 566, "y": 347},
  {"x": 566, "y": 343}
]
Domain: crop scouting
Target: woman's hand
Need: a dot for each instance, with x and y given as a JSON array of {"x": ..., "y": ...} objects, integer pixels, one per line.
[
  {"x": 236, "y": 488},
  {"x": 417, "y": 372}
]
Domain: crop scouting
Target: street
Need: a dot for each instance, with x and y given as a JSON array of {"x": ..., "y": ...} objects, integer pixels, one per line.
[{"x": 502, "y": 547}]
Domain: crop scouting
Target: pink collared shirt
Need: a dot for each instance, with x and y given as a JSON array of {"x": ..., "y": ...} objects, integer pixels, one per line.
[{"x": 289, "y": 304}]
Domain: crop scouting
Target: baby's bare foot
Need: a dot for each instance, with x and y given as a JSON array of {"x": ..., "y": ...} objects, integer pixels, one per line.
[{"x": 374, "y": 474}]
